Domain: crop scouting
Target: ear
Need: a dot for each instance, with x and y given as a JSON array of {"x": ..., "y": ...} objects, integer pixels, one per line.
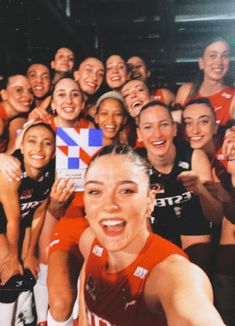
[
  {"x": 53, "y": 64},
  {"x": 174, "y": 129},
  {"x": 216, "y": 128},
  {"x": 201, "y": 64},
  {"x": 53, "y": 107},
  {"x": 76, "y": 75},
  {"x": 151, "y": 202},
  {"x": 4, "y": 94},
  {"x": 124, "y": 121},
  {"x": 139, "y": 134},
  {"x": 96, "y": 119}
]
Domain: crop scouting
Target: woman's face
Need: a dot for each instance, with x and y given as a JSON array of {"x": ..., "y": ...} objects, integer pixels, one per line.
[
  {"x": 117, "y": 201},
  {"x": 136, "y": 95},
  {"x": 90, "y": 75},
  {"x": 156, "y": 130},
  {"x": 200, "y": 125},
  {"x": 39, "y": 78},
  {"x": 116, "y": 72},
  {"x": 67, "y": 100},
  {"x": 215, "y": 61},
  {"x": 64, "y": 61},
  {"x": 138, "y": 69},
  {"x": 38, "y": 147},
  {"x": 110, "y": 118},
  {"x": 19, "y": 93}
]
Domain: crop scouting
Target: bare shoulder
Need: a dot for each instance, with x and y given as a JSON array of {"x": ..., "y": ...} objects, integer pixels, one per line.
[
  {"x": 183, "y": 93},
  {"x": 173, "y": 278},
  {"x": 85, "y": 242}
]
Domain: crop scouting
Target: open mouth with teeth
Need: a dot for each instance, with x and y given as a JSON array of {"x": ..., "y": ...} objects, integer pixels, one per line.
[
  {"x": 159, "y": 143},
  {"x": 113, "y": 227}
]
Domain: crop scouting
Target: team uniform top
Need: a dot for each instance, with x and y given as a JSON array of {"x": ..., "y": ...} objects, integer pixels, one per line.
[
  {"x": 221, "y": 102},
  {"x": 117, "y": 299},
  {"x": 177, "y": 211},
  {"x": 4, "y": 135},
  {"x": 31, "y": 194}
]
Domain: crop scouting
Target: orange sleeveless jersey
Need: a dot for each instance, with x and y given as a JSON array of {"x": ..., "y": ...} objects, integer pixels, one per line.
[
  {"x": 158, "y": 95},
  {"x": 118, "y": 298}
]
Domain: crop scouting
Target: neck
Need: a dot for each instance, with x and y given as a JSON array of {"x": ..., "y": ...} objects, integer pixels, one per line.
[
  {"x": 209, "y": 149},
  {"x": 59, "y": 122},
  {"x": 119, "y": 260},
  {"x": 163, "y": 163},
  {"x": 10, "y": 111},
  {"x": 210, "y": 87},
  {"x": 35, "y": 174}
]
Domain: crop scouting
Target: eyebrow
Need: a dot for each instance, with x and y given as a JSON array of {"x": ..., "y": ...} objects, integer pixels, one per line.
[
  {"x": 101, "y": 183},
  {"x": 201, "y": 116}
]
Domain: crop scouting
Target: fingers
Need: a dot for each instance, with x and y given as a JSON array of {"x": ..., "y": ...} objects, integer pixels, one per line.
[
  {"x": 11, "y": 167},
  {"x": 38, "y": 114},
  {"x": 62, "y": 189}
]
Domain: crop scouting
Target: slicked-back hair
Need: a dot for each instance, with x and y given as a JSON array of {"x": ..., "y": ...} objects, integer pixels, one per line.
[
  {"x": 123, "y": 150},
  {"x": 202, "y": 100},
  {"x": 152, "y": 104}
]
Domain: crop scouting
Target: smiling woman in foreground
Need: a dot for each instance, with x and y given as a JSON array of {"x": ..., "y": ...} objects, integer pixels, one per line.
[{"x": 148, "y": 279}]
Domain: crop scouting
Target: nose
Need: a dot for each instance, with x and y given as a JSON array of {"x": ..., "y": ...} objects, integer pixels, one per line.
[
  {"x": 110, "y": 203},
  {"x": 195, "y": 128},
  {"x": 38, "y": 146},
  {"x": 39, "y": 79},
  {"x": 68, "y": 98},
  {"x": 156, "y": 131}
]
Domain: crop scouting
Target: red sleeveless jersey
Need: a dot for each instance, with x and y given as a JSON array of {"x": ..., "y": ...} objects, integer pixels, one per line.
[
  {"x": 117, "y": 299},
  {"x": 221, "y": 103}
]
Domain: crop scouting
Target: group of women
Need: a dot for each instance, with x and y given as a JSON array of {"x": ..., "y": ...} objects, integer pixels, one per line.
[{"x": 158, "y": 194}]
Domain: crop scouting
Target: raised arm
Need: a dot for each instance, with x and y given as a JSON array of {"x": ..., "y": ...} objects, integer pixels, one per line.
[
  {"x": 184, "y": 292},
  {"x": 194, "y": 181}
]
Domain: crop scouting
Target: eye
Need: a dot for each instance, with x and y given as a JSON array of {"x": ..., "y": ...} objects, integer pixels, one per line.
[
  {"x": 46, "y": 77},
  {"x": 147, "y": 127},
  {"x": 19, "y": 90},
  {"x": 204, "y": 122},
  {"x": 76, "y": 94},
  {"x": 93, "y": 192},
  {"x": 32, "y": 75},
  {"x": 60, "y": 94},
  {"x": 127, "y": 191},
  {"x": 164, "y": 124}
]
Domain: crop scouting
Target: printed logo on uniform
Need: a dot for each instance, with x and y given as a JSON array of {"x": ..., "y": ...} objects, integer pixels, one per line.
[
  {"x": 140, "y": 272},
  {"x": 90, "y": 287},
  {"x": 184, "y": 165},
  {"x": 26, "y": 194},
  {"x": 158, "y": 187},
  {"x": 98, "y": 251},
  {"x": 218, "y": 108},
  {"x": 226, "y": 95}
]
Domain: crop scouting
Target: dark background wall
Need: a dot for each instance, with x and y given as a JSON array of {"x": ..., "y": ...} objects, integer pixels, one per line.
[{"x": 168, "y": 34}]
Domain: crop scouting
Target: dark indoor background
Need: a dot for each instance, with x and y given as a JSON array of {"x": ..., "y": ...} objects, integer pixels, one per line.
[{"x": 168, "y": 34}]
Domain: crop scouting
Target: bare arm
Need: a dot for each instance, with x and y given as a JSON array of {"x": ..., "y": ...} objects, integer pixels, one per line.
[
  {"x": 10, "y": 201},
  {"x": 30, "y": 261},
  {"x": 183, "y": 93},
  {"x": 14, "y": 126},
  {"x": 184, "y": 291},
  {"x": 194, "y": 181}
]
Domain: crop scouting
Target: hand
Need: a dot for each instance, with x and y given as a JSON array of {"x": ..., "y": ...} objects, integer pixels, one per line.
[
  {"x": 31, "y": 262},
  {"x": 228, "y": 148},
  {"x": 10, "y": 166},
  {"x": 191, "y": 181},
  {"x": 10, "y": 266},
  {"x": 61, "y": 193},
  {"x": 38, "y": 114},
  {"x": 217, "y": 191}
]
